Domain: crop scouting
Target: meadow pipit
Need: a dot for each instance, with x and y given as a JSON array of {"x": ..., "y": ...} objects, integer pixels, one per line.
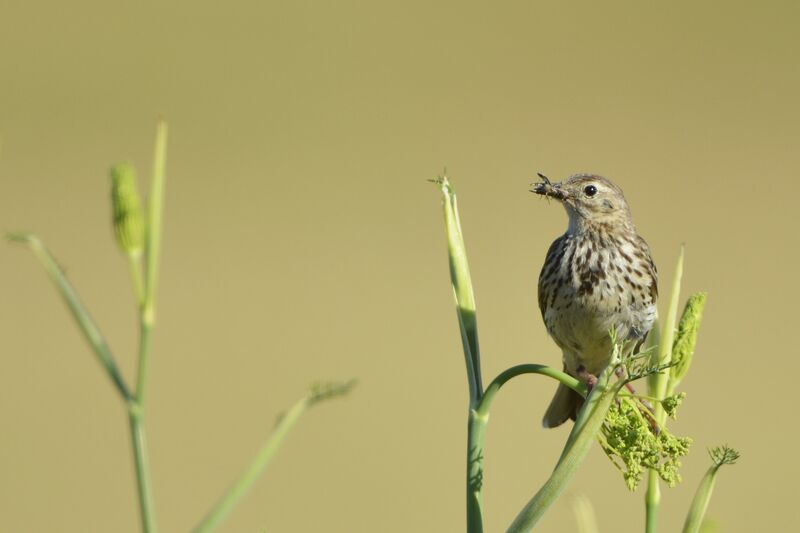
[{"x": 596, "y": 278}]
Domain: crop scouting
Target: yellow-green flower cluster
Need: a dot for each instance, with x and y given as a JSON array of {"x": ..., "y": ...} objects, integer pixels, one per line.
[
  {"x": 634, "y": 447},
  {"x": 671, "y": 404}
]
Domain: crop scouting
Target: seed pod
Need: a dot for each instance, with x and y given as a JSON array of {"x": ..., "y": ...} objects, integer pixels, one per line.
[
  {"x": 686, "y": 337},
  {"x": 126, "y": 210}
]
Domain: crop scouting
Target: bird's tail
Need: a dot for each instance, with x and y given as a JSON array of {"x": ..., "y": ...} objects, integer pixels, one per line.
[{"x": 565, "y": 405}]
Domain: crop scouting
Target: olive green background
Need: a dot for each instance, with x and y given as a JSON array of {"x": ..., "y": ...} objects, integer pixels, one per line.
[{"x": 303, "y": 242}]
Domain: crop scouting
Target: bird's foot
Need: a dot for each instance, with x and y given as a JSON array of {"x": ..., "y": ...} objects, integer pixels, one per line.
[{"x": 586, "y": 377}]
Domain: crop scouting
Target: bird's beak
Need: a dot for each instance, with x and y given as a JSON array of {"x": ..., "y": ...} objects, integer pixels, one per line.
[{"x": 552, "y": 190}]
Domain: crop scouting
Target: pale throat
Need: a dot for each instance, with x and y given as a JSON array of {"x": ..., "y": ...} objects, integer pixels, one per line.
[{"x": 580, "y": 224}]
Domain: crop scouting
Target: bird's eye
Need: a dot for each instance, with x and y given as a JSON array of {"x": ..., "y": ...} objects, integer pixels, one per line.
[{"x": 590, "y": 190}]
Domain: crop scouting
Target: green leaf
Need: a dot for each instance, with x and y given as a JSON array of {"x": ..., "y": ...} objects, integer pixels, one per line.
[
  {"x": 79, "y": 312},
  {"x": 462, "y": 288},
  {"x": 155, "y": 209}
]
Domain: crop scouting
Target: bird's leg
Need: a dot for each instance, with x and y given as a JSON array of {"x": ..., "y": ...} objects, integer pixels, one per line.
[
  {"x": 586, "y": 377},
  {"x": 620, "y": 372}
]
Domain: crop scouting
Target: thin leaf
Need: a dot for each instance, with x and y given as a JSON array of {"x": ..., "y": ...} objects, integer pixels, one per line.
[
  {"x": 79, "y": 312},
  {"x": 318, "y": 394},
  {"x": 462, "y": 289},
  {"x": 155, "y": 208}
]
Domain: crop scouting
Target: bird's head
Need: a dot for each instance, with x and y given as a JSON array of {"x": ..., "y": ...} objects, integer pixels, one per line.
[{"x": 587, "y": 198}]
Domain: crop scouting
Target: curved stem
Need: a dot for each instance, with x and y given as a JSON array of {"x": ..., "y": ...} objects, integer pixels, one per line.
[
  {"x": 485, "y": 402},
  {"x": 584, "y": 432},
  {"x": 476, "y": 433}
]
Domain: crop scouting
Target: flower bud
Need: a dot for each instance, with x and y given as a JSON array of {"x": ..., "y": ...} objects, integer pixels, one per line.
[
  {"x": 686, "y": 337},
  {"x": 126, "y": 209}
]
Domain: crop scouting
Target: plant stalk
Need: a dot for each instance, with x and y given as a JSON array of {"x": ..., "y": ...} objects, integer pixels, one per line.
[
  {"x": 583, "y": 434},
  {"x": 235, "y": 493},
  {"x": 652, "y": 500},
  {"x": 658, "y": 384},
  {"x": 145, "y": 289},
  {"x": 91, "y": 332},
  {"x": 476, "y": 432},
  {"x": 142, "y": 467}
]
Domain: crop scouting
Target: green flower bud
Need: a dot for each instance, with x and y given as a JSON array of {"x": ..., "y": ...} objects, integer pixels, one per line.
[
  {"x": 671, "y": 404},
  {"x": 126, "y": 209},
  {"x": 686, "y": 338}
]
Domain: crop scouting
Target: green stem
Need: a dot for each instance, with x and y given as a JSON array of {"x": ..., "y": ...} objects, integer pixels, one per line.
[
  {"x": 468, "y": 327},
  {"x": 137, "y": 278},
  {"x": 79, "y": 312},
  {"x": 254, "y": 470},
  {"x": 145, "y": 289},
  {"x": 145, "y": 328},
  {"x": 476, "y": 433},
  {"x": 652, "y": 500},
  {"x": 142, "y": 467},
  {"x": 486, "y": 401},
  {"x": 658, "y": 384},
  {"x": 155, "y": 208},
  {"x": 700, "y": 501},
  {"x": 584, "y": 431},
  {"x": 723, "y": 455}
]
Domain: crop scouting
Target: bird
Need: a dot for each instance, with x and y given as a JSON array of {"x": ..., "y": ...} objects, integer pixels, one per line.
[{"x": 598, "y": 277}]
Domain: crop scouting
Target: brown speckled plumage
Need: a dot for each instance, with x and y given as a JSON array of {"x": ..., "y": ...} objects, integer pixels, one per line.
[{"x": 596, "y": 277}]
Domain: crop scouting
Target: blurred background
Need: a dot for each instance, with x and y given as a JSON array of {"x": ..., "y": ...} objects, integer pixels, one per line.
[{"x": 302, "y": 242}]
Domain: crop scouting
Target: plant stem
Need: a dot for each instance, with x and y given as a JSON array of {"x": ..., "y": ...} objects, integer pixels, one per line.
[
  {"x": 137, "y": 278},
  {"x": 155, "y": 208},
  {"x": 476, "y": 432},
  {"x": 584, "y": 431},
  {"x": 486, "y": 401},
  {"x": 136, "y": 417},
  {"x": 142, "y": 466},
  {"x": 468, "y": 327},
  {"x": 254, "y": 470},
  {"x": 145, "y": 289},
  {"x": 86, "y": 324},
  {"x": 652, "y": 500},
  {"x": 697, "y": 512},
  {"x": 658, "y": 384},
  {"x": 145, "y": 328}
]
